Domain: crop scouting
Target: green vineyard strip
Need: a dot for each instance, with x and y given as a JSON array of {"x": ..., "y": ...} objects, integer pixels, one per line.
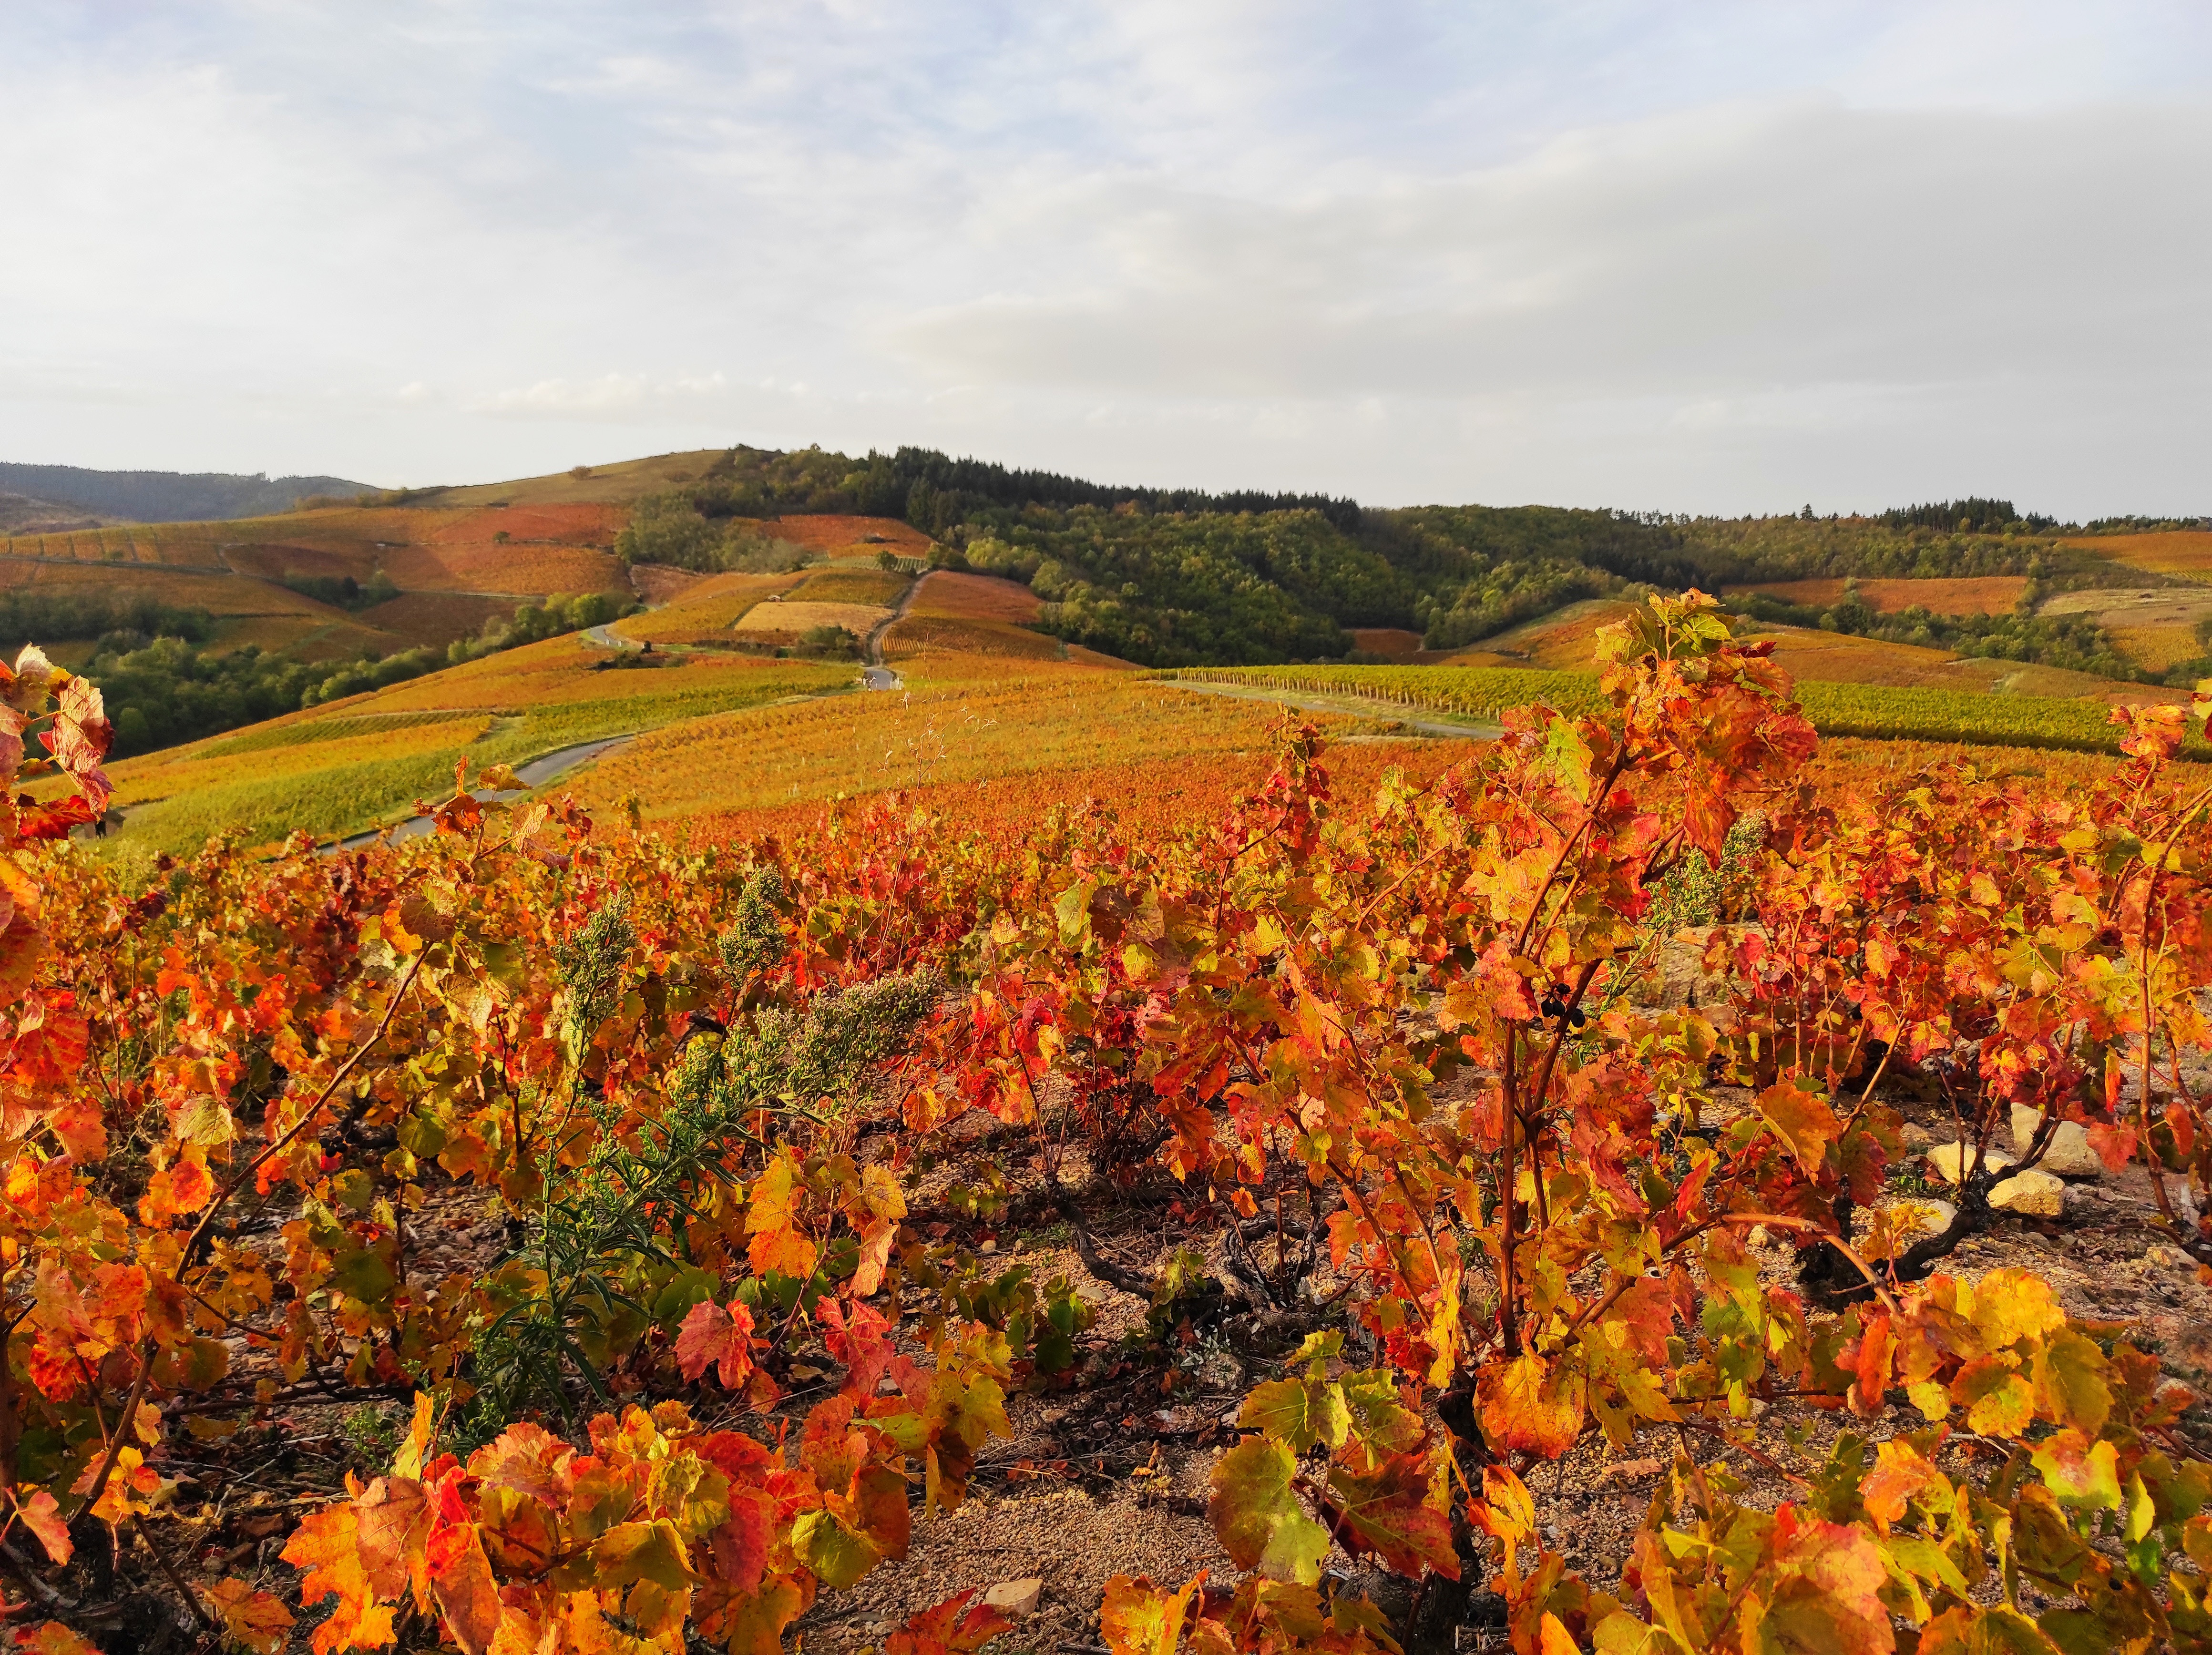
[
  {"x": 328, "y": 730},
  {"x": 1879, "y": 711}
]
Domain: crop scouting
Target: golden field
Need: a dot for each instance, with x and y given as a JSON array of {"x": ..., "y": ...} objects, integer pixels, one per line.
[{"x": 2186, "y": 552}]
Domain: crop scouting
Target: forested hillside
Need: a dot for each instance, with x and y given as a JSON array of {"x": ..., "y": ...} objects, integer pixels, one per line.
[
  {"x": 169, "y": 496},
  {"x": 1180, "y": 578}
]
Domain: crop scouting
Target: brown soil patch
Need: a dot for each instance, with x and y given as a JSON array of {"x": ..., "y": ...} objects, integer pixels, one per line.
[
  {"x": 515, "y": 567},
  {"x": 615, "y": 484},
  {"x": 829, "y": 535},
  {"x": 274, "y": 560},
  {"x": 417, "y": 618},
  {"x": 583, "y": 523},
  {"x": 1386, "y": 640},
  {"x": 1071, "y": 1542},
  {"x": 1994, "y": 594},
  {"x": 975, "y": 598},
  {"x": 657, "y": 584},
  {"x": 306, "y": 638}
]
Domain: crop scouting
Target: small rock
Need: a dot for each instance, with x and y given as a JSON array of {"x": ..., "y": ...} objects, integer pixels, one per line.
[
  {"x": 1917, "y": 1137},
  {"x": 1948, "y": 1158},
  {"x": 990, "y": 1245},
  {"x": 2068, "y": 1155},
  {"x": 1017, "y": 1599},
  {"x": 2084, "y": 1201},
  {"x": 2033, "y": 1194},
  {"x": 1219, "y": 1371},
  {"x": 2163, "y": 1257},
  {"x": 2182, "y": 1199}
]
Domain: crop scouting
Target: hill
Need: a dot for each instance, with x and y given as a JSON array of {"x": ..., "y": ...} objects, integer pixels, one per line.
[
  {"x": 22, "y": 513},
  {"x": 1180, "y": 577},
  {"x": 167, "y": 496},
  {"x": 289, "y": 609}
]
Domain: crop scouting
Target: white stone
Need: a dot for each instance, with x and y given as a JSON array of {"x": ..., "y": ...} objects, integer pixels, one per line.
[
  {"x": 1948, "y": 1158},
  {"x": 2181, "y": 1197},
  {"x": 2068, "y": 1155},
  {"x": 2032, "y": 1194},
  {"x": 1016, "y": 1598}
]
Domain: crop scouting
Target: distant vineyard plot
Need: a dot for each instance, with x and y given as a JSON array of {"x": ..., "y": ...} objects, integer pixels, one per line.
[
  {"x": 355, "y": 762},
  {"x": 1881, "y": 711}
]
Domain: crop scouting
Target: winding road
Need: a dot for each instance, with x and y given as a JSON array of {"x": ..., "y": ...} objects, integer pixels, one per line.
[
  {"x": 875, "y": 675},
  {"x": 546, "y": 767},
  {"x": 550, "y": 766}
]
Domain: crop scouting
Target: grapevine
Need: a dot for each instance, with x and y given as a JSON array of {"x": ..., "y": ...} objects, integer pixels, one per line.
[{"x": 1407, "y": 1034}]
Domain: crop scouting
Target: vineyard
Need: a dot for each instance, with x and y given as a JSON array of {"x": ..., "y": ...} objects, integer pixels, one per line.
[
  {"x": 967, "y": 720},
  {"x": 1881, "y": 711},
  {"x": 1969, "y": 594},
  {"x": 455, "y": 568},
  {"x": 1554, "y": 1196},
  {"x": 353, "y": 763},
  {"x": 706, "y": 612}
]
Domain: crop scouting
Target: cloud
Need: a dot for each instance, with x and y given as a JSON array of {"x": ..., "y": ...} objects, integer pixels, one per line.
[
  {"x": 1617, "y": 249},
  {"x": 1802, "y": 246},
  {"x": 620, "y": 397}
]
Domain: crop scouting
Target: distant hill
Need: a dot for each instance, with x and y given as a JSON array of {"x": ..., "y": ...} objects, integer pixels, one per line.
[
  {"x": 166, "y": 496},
  {"x": 1178, "y": 577},
  {"x": 21, "y": 514}
]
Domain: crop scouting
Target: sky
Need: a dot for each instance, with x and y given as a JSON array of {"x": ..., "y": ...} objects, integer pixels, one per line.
[{"x": 1675, "y": 255}]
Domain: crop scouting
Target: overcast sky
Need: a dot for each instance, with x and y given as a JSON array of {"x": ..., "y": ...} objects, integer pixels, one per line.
[{"x": 1682, "y": 254}]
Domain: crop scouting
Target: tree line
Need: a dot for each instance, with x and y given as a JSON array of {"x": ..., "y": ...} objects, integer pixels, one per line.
[{"x": 168, "y": 690}]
